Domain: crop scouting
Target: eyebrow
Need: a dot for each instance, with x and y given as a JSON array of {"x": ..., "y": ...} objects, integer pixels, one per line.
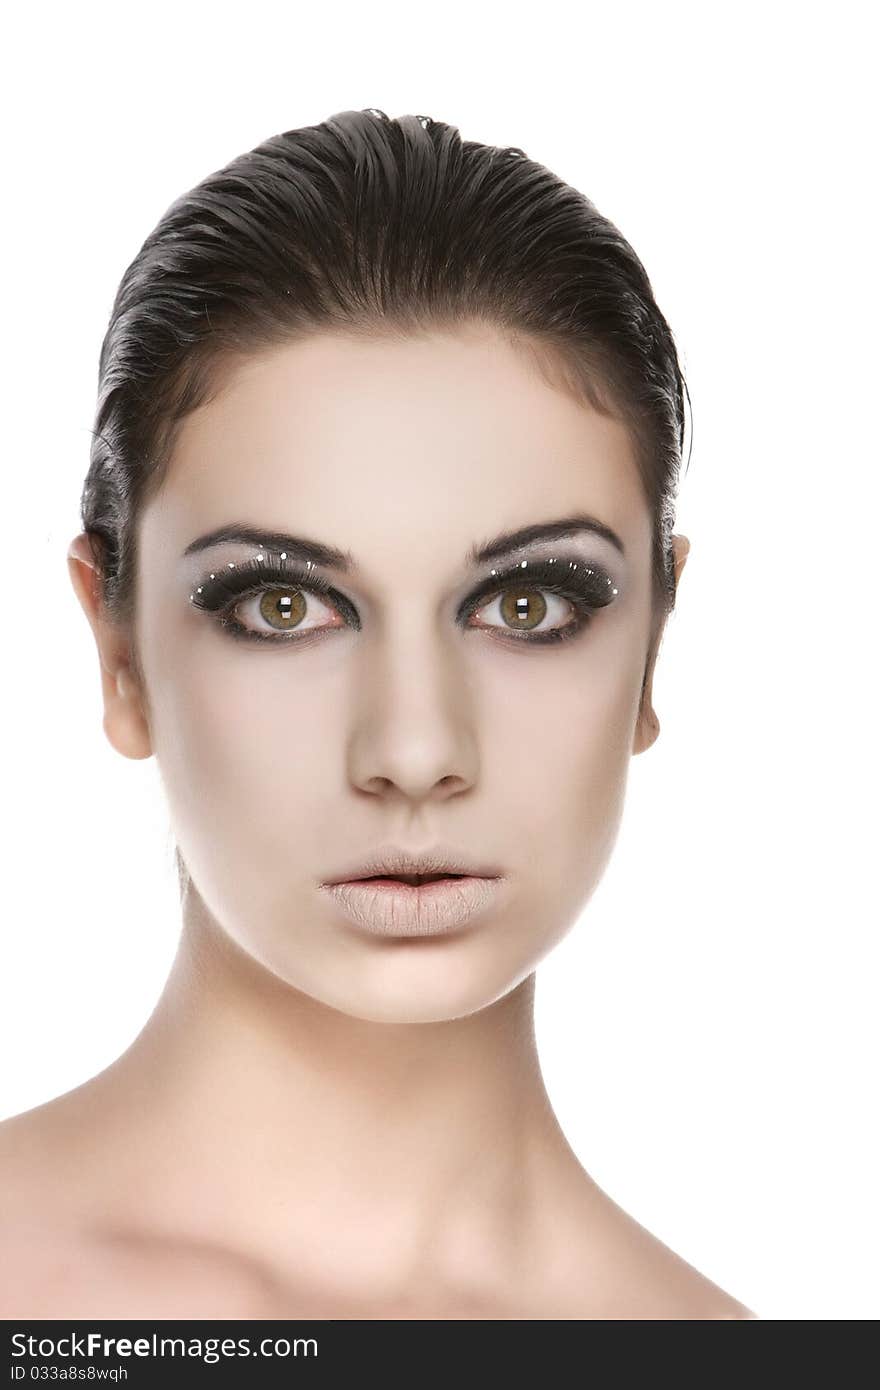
[{"x": 330, "y": 557}]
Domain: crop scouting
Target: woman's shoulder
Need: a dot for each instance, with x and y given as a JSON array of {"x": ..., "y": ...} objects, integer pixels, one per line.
[
  {"x": 663, "y": 1288},
  {"x": 64, "y": 1257},
  {"x": 661, "y": 1284},
  {"x": 50, "y": 1191},
  {"x": 671, "y": 1287},
  {"x": 73, "y": 1239},
  {"x": 626, "y": 1272},
  {"x": 58, "y": 1262},
  {"x": 29, "y": 1163},
  {"x": 33, "y": 1230}
]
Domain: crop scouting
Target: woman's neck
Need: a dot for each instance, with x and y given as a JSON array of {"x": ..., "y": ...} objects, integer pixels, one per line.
[{"x": 360, "y": 1155}]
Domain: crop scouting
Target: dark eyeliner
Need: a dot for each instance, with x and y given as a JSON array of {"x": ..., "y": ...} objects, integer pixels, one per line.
[
  {"x": 220, "y": 592},
  {"x": 588, "y": 587}
]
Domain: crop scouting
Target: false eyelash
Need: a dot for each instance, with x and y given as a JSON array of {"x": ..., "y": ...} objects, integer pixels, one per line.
[
  {"x": 220, "y": 593},
  {"x": 587, "y": 587}
]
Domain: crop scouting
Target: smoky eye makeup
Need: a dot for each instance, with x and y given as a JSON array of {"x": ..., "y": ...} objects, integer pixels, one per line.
[
  {"x": 577, "y": 590},
  {"x": 222, "y": 589},
  {"x": 584, "y": 586}
]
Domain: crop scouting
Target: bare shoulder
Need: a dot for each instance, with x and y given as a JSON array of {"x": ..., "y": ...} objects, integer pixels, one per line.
[
  {"x": 681, "y": 1291},
  {"x": 714, "y": 1304},
  {"x": 30, "y": 1164},
  {"x": 669, "y": 1287},
  {"x": 65, "y": 1253},
  {"x": 629, "y": 1273},
  {"x": 49, "y": 1191},
  {"x": 35, "y": 1229}
]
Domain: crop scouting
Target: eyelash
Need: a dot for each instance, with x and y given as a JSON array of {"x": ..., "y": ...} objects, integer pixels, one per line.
[{"x": 586, "y": 587}]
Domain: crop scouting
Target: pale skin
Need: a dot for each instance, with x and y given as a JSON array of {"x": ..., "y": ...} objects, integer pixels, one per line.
[{"x": 315, "y": 1122}]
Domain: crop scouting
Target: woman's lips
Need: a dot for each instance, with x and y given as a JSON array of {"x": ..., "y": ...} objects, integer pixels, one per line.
[
  {"x": 407, "y": 880},
  {"x": 392, "y": 907}
]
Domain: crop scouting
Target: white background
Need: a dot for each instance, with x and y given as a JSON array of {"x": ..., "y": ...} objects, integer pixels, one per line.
[{"x": 708, "y": 1029}]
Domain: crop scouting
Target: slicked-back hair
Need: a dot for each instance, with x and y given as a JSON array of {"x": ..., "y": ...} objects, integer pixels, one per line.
[{"x": 370, "y": 225}]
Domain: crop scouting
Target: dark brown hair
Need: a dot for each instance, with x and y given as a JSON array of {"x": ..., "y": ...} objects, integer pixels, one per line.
[{"x": 370, "y": 225}]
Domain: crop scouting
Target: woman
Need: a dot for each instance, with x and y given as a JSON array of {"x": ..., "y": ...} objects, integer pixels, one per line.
[{"x": 377, "y": 553}]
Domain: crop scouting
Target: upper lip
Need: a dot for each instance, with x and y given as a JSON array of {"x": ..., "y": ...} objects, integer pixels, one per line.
[{"x": 437, "y": 859}]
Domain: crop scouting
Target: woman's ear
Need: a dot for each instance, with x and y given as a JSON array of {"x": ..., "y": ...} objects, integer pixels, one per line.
[
  {"x": 647, "y": 724},
  {"x": 125, "y": 721}
]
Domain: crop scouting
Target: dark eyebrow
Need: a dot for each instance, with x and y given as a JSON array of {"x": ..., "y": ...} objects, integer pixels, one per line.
[
  {"x": 328, "y": 556},
  {"x": 508, "y": 541},
  {"x": 297, "y": 547}
]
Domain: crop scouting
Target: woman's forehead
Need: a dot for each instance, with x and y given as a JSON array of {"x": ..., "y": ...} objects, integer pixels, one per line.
[
  {"x": 364, "y": 449},
  {"x": 401, "y": 425}
]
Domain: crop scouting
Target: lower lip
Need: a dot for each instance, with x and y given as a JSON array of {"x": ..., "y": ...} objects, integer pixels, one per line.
[{"x": 387, "y": 907}]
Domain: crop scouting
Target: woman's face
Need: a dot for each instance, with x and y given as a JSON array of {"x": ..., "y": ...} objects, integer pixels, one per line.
[{"x": 389, "y": 715}]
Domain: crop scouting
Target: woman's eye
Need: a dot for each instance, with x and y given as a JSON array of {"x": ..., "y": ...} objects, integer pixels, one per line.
[
  {"x": 275, "y": 609},
  {"x": 523, "y": 609}
]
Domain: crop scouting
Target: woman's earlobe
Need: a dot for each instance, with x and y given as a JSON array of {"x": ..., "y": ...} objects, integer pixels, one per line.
[
  {"x": 680, "y": 549},
  {"x": 647, "y": 724},
  {"x": 125, "y": 721},
  {"x": 647, "y": 728}
]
